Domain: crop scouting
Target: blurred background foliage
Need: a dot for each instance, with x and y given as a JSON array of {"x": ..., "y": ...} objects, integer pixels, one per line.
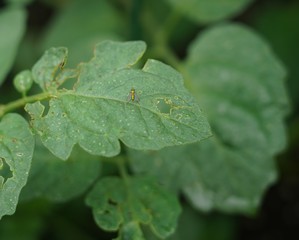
[{"x": 78, "y": 25}]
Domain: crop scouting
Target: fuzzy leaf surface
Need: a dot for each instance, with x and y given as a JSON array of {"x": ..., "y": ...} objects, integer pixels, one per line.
[
  {"x": 100, "y": 111},
  {"x": 16, "y": 150},
  {"x": 120, "y": 205}
]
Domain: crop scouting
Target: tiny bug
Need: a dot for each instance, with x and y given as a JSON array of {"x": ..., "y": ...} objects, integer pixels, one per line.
[
  {"x": 133, "y": 96},
  {"x": 62, "y": 64}
]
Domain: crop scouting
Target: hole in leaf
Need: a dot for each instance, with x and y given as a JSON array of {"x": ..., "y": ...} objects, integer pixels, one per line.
[
  {"x": 46, "y": 107},
  {"x": 164, "y": 105},
  {"x": 5, "y": 172}
]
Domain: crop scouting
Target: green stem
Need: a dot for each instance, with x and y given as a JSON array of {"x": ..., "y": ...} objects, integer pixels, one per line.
[
  {"x": 22, "y": 102},
  {"x": 161, "y": 48},
  {"x": 164, "y": 32},
  {"x": 122, "y": 169}
]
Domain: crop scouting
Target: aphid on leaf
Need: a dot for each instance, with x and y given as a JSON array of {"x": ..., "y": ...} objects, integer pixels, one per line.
[{"x": 133, "y": 96}]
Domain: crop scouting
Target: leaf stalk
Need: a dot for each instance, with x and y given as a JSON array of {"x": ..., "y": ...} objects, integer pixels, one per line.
[{"x": 5, "y": 108}]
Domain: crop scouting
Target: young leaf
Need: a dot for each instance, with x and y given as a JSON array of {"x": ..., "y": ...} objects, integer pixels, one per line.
[
  {"x": 16, "y": 149},
  {"x": 125, "y": 205},
  {"x": 240, "y": 84},
  {"x": 98, "y": 113},
  {"x": 12, "y": 26},
  {"x": 23, "y": 81},
  {"x": 60, "y": 181},
  {"x": 44, "y": 70},
  {"x": 205, "y": 11}
]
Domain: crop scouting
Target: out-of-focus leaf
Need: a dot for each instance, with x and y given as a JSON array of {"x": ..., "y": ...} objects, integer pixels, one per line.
[
  {"x": 210, "y": 174},
  {"x": 100, "y": 110},
  {"x": 16, "y": 149},
  {"x": 60, "y": 181},
  {"x": 193, "y": 225},
  {"x": 284, "y": 37},
  {"x": 205, "y": 11},
  {"x": 239, "y": 83},
  {"x": 29, "y": 221},
  {"x": 19, "y": 2},
  {"x": 82, "y": 24},
  {"x": 125, "y": 205},
  {"x": 12, "y": 27}
]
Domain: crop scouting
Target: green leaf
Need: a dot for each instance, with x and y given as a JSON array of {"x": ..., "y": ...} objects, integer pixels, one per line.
[
  {"x": 79, "y": 26},
  {"x": 60, "y": 181},
  {"x": 12, "y": 27},
  {"x": 124, "y": 205},
  {"x": 98, "y": 113},
  {"x": 131, "y": 231},
  {"x": 239, "y": 83},
  {"x": 45, "y": 69},
  {"x": 23, "y": 81},
  {"x": 193, "y": 225},
  {"x": 212, "y": 175},
  {"x": 16, "y": 149},
  {"x": 205, "y": 11}
]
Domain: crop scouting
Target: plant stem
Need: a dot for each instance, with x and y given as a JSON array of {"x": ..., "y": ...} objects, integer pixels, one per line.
[
  {"x": 23, "y": 101},
  {"x": 161, "y": 38},
  {"x": 166, "y": 29},
  {"x": 162, "y": 50},
  {"x": 122, "y": 169}
]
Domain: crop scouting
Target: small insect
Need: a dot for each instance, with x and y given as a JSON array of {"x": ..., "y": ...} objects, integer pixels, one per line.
[
  {"x": 62, "y": 64},
  {"x": 133, "y": 96}
]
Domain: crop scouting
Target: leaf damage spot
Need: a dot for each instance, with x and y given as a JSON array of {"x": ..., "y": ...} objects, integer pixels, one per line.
[
  {"x": 5, "y": 172},
  {"x": 164, "y": 105}
]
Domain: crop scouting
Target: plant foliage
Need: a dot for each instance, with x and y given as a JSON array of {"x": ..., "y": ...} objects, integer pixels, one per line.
[{"x": 208, "y": 126}]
